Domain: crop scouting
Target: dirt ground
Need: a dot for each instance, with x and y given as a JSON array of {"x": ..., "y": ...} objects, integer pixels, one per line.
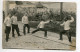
[{"x": 38, "y": 41}]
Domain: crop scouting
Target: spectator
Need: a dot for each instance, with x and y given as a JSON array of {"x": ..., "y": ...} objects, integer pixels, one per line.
[
  {"x": 7, "y": 23},
  {"x": 26, "y": 23},
  {"x": 15, "y": 25}
]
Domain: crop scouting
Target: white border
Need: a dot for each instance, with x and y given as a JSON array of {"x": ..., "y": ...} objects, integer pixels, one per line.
[{"x": 21, "y": 50}]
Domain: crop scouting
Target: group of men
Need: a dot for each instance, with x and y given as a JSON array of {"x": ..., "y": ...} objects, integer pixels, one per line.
[{"x": 12, "y": 21}]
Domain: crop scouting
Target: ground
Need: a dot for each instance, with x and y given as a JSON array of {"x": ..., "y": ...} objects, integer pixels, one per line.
[{"x": 38, "y": 41}]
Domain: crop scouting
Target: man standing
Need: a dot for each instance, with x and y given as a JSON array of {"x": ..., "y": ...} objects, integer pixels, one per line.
[
  {"x": 26, "y": 24},
  {"x": 7, "y": 23},
  {"x": 15, "y": 25},
  {"x": 66, "y": 25},
  {"x": 40, "y": 27}
]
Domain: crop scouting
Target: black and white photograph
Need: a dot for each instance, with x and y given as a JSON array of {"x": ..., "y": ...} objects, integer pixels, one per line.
[{"x": 39, "y": 25}]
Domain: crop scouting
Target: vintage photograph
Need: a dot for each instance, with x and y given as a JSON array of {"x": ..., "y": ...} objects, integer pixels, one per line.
[{"x": 38, "y": 25}]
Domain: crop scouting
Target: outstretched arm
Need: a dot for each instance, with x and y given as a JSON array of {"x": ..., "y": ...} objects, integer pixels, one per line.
[
  {"x": 72, "y": 19},
  {"x": 62, "y": 24},
  {"x": 47, "y": 21},
  {"x": 38, "y": 26},
  {"x": 22, "y": 20}
]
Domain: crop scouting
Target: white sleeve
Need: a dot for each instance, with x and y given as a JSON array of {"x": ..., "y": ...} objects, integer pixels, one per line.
[
  {"x": 72, "y": 19},
  {"x": 62, "y": 24},
  {"x": 39, "y": 24},
  {"x": 22, "y": 19},
  {"x": 47, "y": 22},
  {"x": 5, "y": 20},
  {"x": 11, "y": 19},
  {"x": 27, "y": 19}
]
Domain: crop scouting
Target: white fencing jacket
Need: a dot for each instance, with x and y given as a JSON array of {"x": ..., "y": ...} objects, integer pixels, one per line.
[
  {"x": 67, "y": 23},
  {"x": 25, "y": 20},
  {"x": 7, "y": 21},
  {"x": 14, "y": 20}
]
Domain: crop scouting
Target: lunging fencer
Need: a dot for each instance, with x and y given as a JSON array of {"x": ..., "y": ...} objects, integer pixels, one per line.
[{"x": 40, "y": 27}]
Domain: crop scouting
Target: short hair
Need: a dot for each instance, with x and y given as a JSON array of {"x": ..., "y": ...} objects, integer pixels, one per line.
[
  {"x": 68, "y": 17},
  {"x": 25, "y": 14},
  {"x": 8, "y": 14},
  {"x": 42, "y": 20},
  {"x": 15, "y": 14}
]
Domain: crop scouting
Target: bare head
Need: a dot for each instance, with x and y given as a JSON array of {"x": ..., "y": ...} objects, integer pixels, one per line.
[
  {"x": 15, "y": 14},
  {"x": 69, "y": 15},
  {"x": 9, "y": 14},
  {"x": 25, "y": 14},
  {"x": 42, "y": 20},
  {"x": 68, "y": 18}
]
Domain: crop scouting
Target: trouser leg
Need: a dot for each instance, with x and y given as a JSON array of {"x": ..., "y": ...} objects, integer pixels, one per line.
[
  {"x": 17, "y": 30},
  {"x": 45, "y": 32},
  {"x": 41, "y": 29},
  {"x": 24, "y": 29},
  {"x": 13, "y": 27},
  {"x": 7, "y": 33},
  {"x": 5, "y": 30},
  {"x": 61, "y": 36},
  {"x": 35, "y": 31},
  {"x": 28, "y": 27},
  {"x": 45, "y": 35},
  {"x": 62, "y": 32},
  {"x": 7, "y": 37},
  {"x": 69, "y": 36}
]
